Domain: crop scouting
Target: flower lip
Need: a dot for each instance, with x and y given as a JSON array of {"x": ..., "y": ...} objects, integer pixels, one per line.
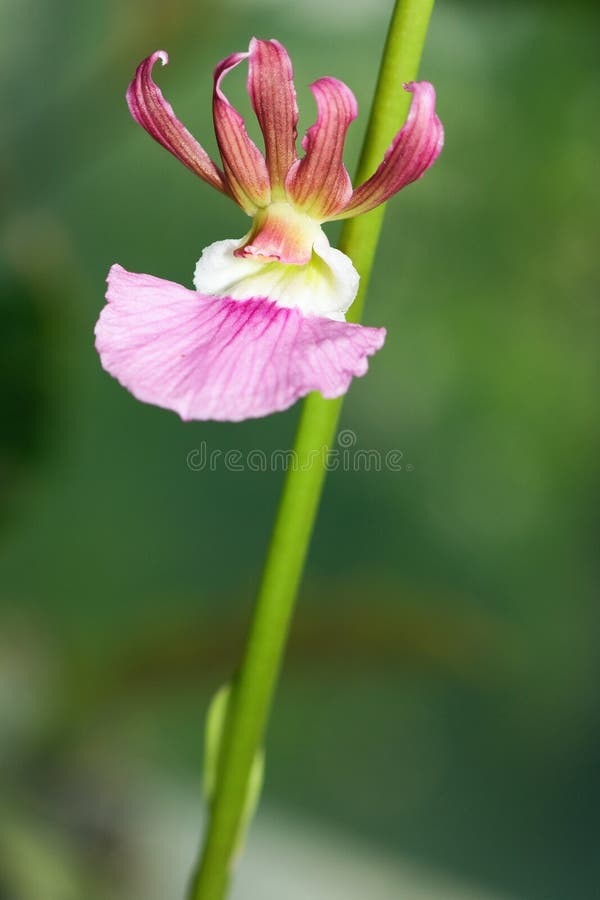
[{"x": 218, "y": 358}]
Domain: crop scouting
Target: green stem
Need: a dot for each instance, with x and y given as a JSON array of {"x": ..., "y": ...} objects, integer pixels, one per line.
[
  {"x": 399, "y": 65},
  {"x": 254, "y": 687}
]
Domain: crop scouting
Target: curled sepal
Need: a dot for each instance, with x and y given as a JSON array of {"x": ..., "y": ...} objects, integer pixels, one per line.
[
  {"x": 414, "y": 149},
  {"x": 273, "y": 96},
  {"x": 244, "y": 164},
  {"x": 216, "y": 723},
  {"x": 319, "y": 183},
  {"x": 150, "y": 109}
]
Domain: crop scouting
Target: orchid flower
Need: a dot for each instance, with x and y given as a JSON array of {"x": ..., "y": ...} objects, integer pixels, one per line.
[{"x": 265, "y": 324}]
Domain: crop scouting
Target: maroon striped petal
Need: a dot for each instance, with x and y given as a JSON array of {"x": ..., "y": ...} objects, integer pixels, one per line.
[
  {"x": 244, "y": 164},
  {"x": 150, "y": 109},
  {"x": 414, "y": 149},
  {"x": 319, "y": 183},
  {"x": 273, "y": 96}
]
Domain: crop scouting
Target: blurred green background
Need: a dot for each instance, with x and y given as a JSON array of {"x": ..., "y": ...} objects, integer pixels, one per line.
[{"x": 441, "y": 699}]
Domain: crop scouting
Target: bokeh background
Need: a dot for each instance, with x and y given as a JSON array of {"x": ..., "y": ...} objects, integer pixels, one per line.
[{"x": 439, "y": 712}]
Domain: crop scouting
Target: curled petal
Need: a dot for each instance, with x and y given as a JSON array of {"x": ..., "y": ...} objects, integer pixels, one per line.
[
  {"x": 243, "y": 162},
  {"x": 150, "y": 109},
  {"x": 414, "y": 149},
  {"x": 273, "y": 96},
  {"x": 319, "y": 183},
  {"x": 218, "y": 358}
]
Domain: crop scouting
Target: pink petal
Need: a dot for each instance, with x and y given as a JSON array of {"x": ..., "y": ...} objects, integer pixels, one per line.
[
  {"x": 217, "y": 358},
  {"x": 319, "y": 183},
  {"x": 150, "y": 109},
  {"x": 414, "y": 149},
  {"x": 243, "y": 162},
  {"x": 273, "y": 96}
]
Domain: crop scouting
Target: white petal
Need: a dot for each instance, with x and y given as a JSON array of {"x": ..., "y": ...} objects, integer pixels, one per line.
[{"x": 326, "y": 286}]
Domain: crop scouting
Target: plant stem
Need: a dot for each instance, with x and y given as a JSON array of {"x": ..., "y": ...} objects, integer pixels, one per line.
[
  {"x": 399, "y": 65},
  {"x": 254, "y": 686}
]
